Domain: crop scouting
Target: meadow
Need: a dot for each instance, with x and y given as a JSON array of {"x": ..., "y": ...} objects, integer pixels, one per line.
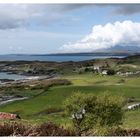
[{"x": 48, "y": 105}]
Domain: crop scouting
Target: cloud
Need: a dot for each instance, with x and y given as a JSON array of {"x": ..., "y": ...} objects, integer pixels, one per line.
[
  {"x": 126, "y": 33},
  {"x": 126, "y": 9},
  {"x": 20, "y": 15},
  {"x": 15, "y": 15}
]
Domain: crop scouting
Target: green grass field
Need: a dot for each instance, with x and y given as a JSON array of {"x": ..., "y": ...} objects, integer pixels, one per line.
[{"x": 48, "y": 106}]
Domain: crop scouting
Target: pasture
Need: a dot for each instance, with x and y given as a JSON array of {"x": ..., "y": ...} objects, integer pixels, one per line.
[{"x": 48, "y": 106}]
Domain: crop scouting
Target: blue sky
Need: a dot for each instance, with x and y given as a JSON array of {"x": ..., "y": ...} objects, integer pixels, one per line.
[{"x": 53, "y": 28}]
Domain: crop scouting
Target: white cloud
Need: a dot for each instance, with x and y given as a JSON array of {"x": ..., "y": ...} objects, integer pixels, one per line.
[{"x": 126, "y": 33}]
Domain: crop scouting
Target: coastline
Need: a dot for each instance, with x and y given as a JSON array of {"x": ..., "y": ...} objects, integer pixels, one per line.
[{"x": 38, "y": 70}]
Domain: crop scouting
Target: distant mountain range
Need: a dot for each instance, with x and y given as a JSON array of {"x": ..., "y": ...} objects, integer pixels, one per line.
[
  {"x": 122, "y": 49},
  {"x": 115, "y": 51}
]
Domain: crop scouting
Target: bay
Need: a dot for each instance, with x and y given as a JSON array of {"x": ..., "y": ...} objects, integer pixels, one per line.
[
  {"x": 57, "y": 58},
  {"x": 5, "y": 75}
]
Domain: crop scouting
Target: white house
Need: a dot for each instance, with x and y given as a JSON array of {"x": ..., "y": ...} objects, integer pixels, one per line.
[
  {"x": 133, "y": 106},
  {"x": 104, "y": 72},
  {"x": 96, "y": 68}
]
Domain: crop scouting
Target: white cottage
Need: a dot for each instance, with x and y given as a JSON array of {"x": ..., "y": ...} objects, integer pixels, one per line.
[{"x": 104, "y": 72}]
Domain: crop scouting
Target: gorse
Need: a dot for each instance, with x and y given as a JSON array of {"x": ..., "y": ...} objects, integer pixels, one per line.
[{"x": 88, "y": 111}]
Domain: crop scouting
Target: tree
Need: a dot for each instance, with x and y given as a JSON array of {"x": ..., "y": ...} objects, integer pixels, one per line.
[{"x": 88, "y": 110}]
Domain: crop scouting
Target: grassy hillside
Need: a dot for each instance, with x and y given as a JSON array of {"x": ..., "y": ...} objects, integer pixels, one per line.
[{"x": 48, "y": 106}]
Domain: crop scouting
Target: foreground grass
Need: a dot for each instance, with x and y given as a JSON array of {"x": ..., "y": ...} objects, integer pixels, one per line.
[
  {"x": 49, "y": 105},
  {"x": 132, "y": 119}
]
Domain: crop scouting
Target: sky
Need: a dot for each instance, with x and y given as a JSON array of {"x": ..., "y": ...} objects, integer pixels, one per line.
[{"x": 65, "y": 28}]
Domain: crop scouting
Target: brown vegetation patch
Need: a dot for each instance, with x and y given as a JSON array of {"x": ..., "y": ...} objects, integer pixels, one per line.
[
  {"x": 45, "y": 129},
  {"x": 45, "y": 84},
  {"x": 125, "y": 132}
]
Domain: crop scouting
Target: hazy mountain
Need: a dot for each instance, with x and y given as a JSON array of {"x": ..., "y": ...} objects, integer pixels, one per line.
[{"x": 128, "y": 49}]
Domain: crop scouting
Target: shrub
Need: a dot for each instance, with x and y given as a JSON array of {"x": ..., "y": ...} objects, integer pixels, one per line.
[
  {"x": 73, "y": 105},
  {"x": 110, "y": 72},
  {"x": 87, "y": 69},
  {"x": 88, "y": 110},
  {"x": 109, "y": 109}
]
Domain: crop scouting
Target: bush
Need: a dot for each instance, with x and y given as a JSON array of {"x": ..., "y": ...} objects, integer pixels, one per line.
[
  {"x": 88, "y": 110},
  {"x": 109, "y": 109},
  {"x": 88, "y": 69},
  {"x": 110, "y": 72}
]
